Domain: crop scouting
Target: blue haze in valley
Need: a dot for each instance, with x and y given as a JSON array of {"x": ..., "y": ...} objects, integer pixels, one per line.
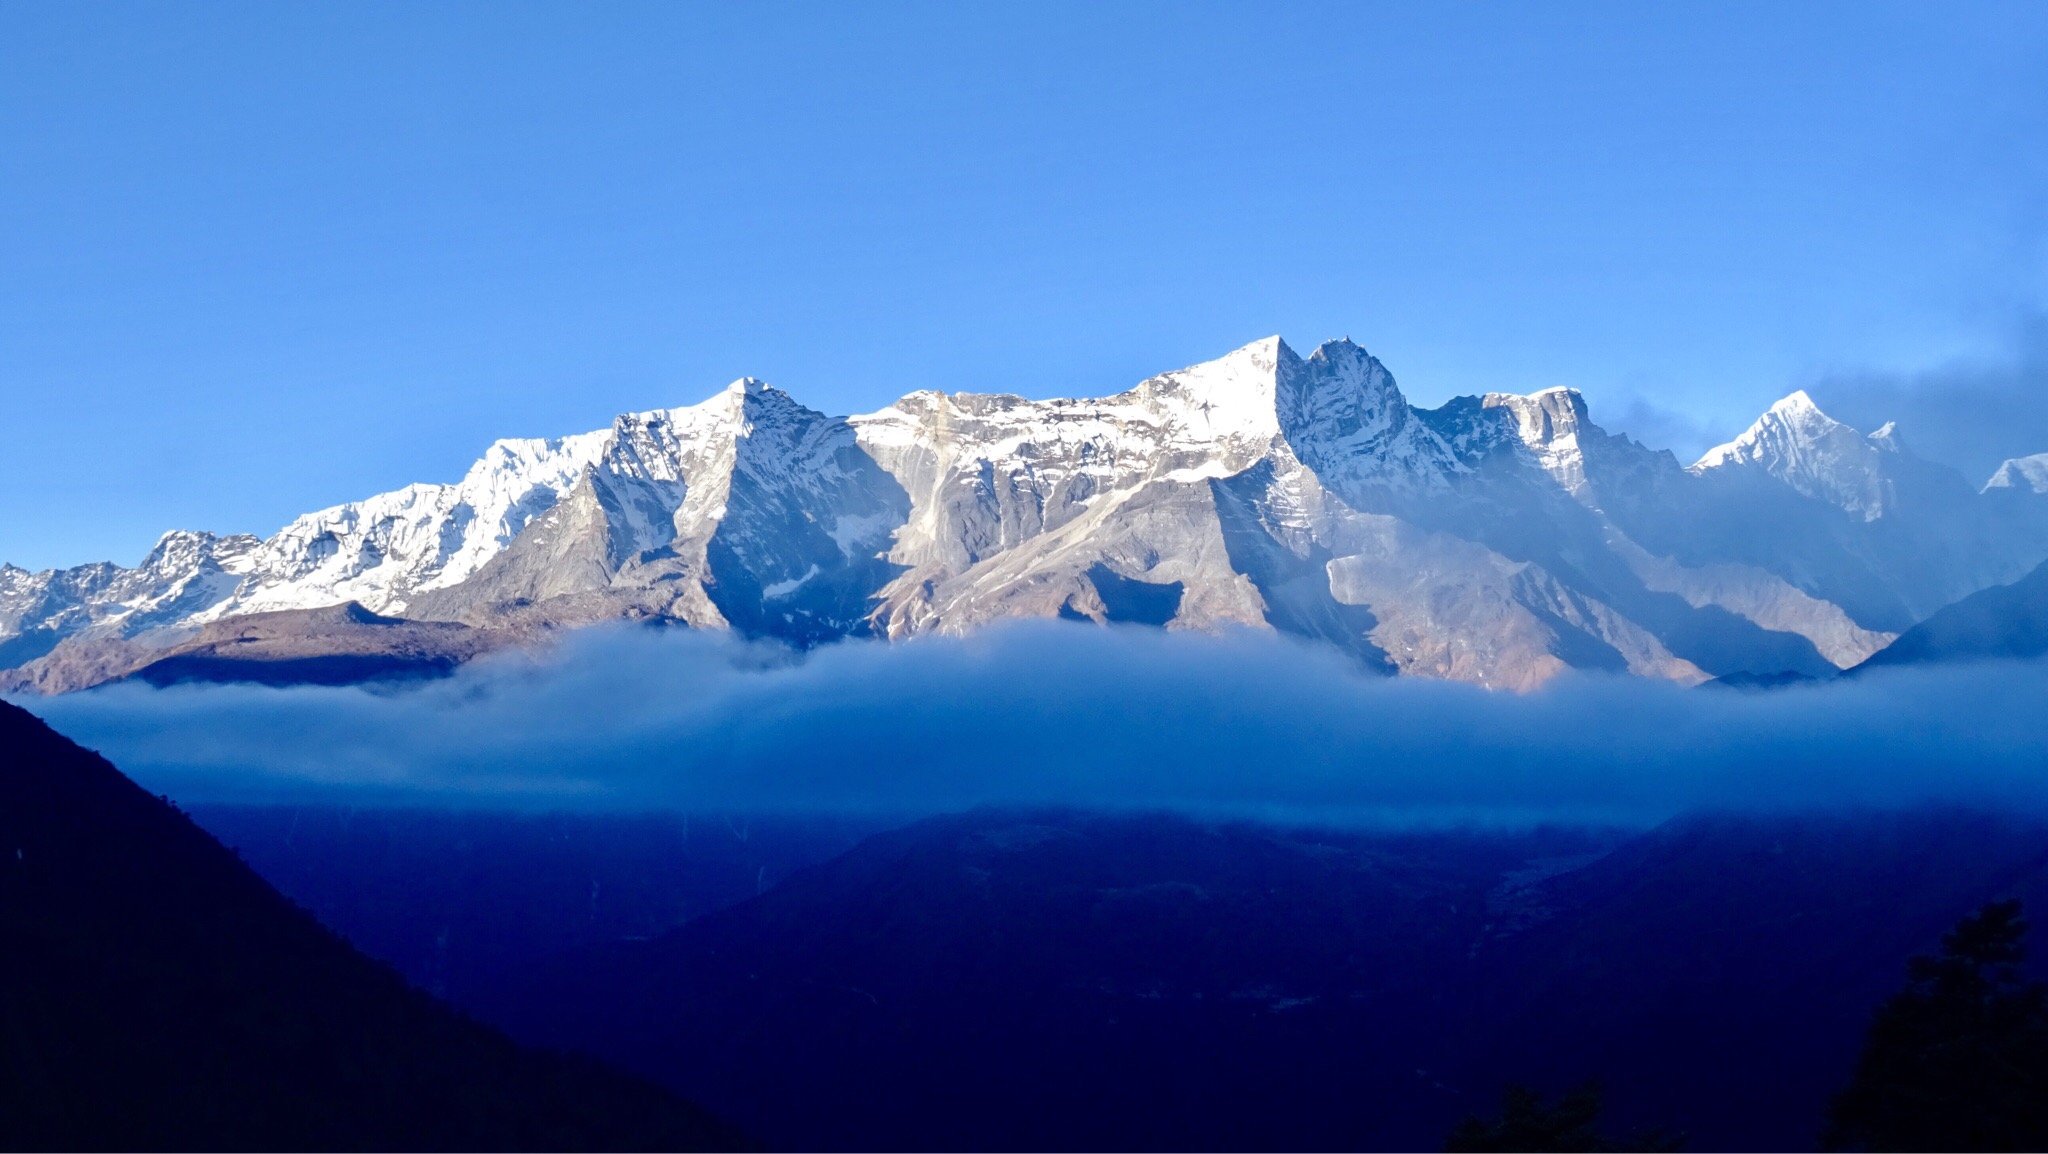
[
  {"x": 1037, "y": 713},
  {"x": 258, "y": 259}
]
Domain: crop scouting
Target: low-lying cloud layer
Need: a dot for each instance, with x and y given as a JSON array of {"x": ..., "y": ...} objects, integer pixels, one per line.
[{"x": 1064, "y": 714}]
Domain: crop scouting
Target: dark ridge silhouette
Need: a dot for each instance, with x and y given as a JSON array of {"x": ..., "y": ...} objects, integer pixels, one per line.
[
  {"x": 336, "y": 669},
  {"x": 156, "y": 994},
  {"x": 1759, "y": 682},
  {"x": 2003, "y": 622},
  {"x": 1057, "y": 980},
  {"x": 1529, "y": 1125},
  {"x": 459, "y": 901},
  {"x": 1031, "y": 981}
]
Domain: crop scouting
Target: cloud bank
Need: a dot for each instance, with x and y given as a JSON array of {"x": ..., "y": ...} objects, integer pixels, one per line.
[
  {"x": 1971, "y": 414},
  {"x": 1046, "y": 713}
]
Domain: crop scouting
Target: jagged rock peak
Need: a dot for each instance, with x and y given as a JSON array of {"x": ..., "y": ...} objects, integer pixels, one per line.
[
  {"x": 1344, "y": 360},
  {"x": 1340, "y": 379},
  {"x": 1798, "y": 402},
  {"x": 1344, "y": 350},
  {"x": 1545, "y": 417},
  {"x": 750, "y": 395}
]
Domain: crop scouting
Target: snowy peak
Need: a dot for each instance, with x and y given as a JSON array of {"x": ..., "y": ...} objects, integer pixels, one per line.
[
  {"x": 1342, "y": 382},
  {"x": 182, "y": 550},
  {"x": 1818, "y": 456},
  {"x": 1550, "y": 419},
  {"x": 1887, "y": 438},
  {"x": 387, "y": 550},
  {"x": 1497, "y": 538},
  {"x": 751, "y": 399},
  {"x": 1549, "y": 425},
  {"x": 1550, "y": 431},
  {"x": 1798, "y": 405},
  {"x": 1229, "y": 398},
  {"x": 1345, "y": 417},
  {"x": 2020, "y": 475},
  {"x": 1792, "y": 424}
]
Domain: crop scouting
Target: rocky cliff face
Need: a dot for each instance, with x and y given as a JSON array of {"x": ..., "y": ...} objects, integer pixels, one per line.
[{"x": 1498, "y": 539}]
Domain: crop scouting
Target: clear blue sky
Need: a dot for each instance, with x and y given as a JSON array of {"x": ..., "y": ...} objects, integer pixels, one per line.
[{"x": 259, "y": 259}]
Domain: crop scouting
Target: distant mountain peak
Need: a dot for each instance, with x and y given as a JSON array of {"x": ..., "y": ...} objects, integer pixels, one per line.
[
  {"x": 1820, "y": 457},
  {"x": 752, "y": 394},
  {"x": 1797, "y": 402},
  {"x": 1792, "y": 424},
  {"x": 2021, "y": 474},
  {"x": 1498, "y": 538},
  {"x": 1233, "y": 397}
]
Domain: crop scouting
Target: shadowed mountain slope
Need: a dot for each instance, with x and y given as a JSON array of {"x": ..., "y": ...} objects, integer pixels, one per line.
[
  {"x": 2004, "y": 621},
  {"x": 1073, "y": 981},
  {"x": 156, "y": 994},
  {"x": 335, "y": 645}
]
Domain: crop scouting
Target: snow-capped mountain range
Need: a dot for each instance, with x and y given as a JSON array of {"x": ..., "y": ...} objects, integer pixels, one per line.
[{"x": 1499, "y": 539}]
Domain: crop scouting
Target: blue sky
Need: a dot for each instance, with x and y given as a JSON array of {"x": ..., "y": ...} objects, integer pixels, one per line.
[{"x": 259, "y": 259}]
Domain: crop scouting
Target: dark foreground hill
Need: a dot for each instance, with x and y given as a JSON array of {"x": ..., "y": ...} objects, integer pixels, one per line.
[
  {"x": 1069, "y": 981},
  {"x": 156, "y": 994}
]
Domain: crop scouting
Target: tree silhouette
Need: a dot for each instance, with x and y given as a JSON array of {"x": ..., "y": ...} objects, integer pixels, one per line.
[
  {"x": 1527, "y": 1123},
  {"x": 1959, "y": 1059}
]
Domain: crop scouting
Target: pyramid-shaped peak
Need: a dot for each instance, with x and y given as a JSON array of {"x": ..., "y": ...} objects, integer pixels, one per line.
[
  {"x": 1799, "y": 408},
  {"x": 753, "y": 393},
  {"x": 2021, "y": 474},
  {"x": 1815, "y": 455},
  {"x": 1793, "y": 420},
  {"x": 1796, "y": 401},
  {"x": 1231, "y": 397},
  {"x": 1262, "y": 355},
  {"x": 744, "y": 399},
  {"x": 1247, "y": 367},
  {"x": 744, "y": 395}
]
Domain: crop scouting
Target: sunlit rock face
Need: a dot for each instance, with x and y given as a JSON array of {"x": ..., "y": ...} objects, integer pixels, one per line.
[{"x": 1499, "y": 539}]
